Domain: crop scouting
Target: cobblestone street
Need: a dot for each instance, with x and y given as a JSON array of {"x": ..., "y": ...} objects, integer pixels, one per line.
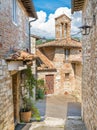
[{"x": 58, "y": 113}]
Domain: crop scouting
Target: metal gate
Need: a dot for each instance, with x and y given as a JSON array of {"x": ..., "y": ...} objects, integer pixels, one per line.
[{"x": 49, "y": 84}]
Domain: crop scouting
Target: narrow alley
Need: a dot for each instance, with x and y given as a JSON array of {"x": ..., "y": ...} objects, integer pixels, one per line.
[
  {"x": 48, "y": 65},
  {"x": 61, "y": 112}
]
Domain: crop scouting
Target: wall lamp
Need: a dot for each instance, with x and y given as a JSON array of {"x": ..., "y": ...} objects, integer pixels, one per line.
[{"x": 85, "y": 29}]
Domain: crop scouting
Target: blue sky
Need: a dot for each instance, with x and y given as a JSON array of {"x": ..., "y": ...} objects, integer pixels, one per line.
[
  {"x": 47, "y": 11},
  {"x": 49, "y": 6}
]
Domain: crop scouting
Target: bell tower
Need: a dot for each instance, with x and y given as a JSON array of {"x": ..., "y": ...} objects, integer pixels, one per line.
[{"x": 62, "y": 27}]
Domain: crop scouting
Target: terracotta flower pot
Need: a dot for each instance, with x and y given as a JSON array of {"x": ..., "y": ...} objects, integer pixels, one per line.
[{"x": 25, "y": 116}]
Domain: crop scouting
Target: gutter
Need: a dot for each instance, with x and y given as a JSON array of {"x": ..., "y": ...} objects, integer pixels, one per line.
[{"x": 30, "y": 32}]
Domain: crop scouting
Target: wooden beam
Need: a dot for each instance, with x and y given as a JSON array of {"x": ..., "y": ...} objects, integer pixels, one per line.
[{"x": 13, "y": 72}]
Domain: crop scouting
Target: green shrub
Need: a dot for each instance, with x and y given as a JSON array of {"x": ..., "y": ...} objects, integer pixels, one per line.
[
  {"x": 35, "y": 113},
  {"x": 40, "y": 89},
  {"x": 40, "y": 93}
]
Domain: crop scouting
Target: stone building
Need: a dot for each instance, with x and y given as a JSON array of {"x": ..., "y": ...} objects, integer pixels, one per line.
[
  {"x": 89, "y": 72},
  {"x": 34, "y": 38},
  {"x": 14, "y": 36},
  {"x": 59, "y": 61}
]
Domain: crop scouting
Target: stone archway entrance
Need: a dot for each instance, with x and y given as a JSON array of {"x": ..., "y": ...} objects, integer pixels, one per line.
[{"x": 16, "y": 97}]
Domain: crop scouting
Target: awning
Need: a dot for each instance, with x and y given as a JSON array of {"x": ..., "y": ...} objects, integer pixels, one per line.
[
  {"x": 21, "y": 56},
  {"x": 20, "y": 60}
]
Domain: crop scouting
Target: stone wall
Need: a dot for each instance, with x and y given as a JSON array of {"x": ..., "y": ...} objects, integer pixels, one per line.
[
  {"x": 6, "y": 98},
  {"x": 78, "y": 82},
  {"x": 33, "y": 51},
  {"x": 89, "y": 82},
  {"x": 62, "y": 85},
  {"x": 13, "y": 36},
  {"x": 42, "y": 75},
  {"x": 49, "y": 52}
]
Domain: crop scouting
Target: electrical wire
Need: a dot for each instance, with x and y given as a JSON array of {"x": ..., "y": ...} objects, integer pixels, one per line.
[{"x": 76, "y": 33}]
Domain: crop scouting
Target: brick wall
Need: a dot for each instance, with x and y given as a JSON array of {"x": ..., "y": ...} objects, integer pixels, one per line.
[
  {"x": 89, "y": 82},
  {"x": 12, "y": 37}
]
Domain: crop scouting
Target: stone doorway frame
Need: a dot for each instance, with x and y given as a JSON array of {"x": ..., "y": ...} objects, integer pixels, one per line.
[{"x": 16, "y": 97}]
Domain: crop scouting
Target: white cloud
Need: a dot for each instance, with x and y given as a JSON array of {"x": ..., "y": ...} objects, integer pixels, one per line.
[
  {"x": 46, "y": 29},
  {"x": 76, "y": 22}
]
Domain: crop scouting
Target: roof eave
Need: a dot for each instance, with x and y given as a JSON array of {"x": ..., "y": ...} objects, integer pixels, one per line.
[
  {"x": 77, "y": 5},
  {"x": 29, "y": 6}
]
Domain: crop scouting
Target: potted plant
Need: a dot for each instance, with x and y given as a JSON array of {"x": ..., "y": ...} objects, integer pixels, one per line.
[
  {"x": 28, "y": 107},
  {"x": 26, "y": 111}
]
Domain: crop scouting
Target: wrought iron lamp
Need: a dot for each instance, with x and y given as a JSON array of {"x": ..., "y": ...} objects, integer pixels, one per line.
[{"x": 85, "y": 29}]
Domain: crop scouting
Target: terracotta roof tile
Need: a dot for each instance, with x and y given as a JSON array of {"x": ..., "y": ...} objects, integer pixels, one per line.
[
  {"x": 47, "y": 64},
  {"x": 62, "y": 43},
  {"x": 21, "y": 56}
]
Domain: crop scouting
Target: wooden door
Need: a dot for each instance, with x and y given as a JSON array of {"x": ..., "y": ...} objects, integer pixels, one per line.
[{"x": 49, "y": 84}]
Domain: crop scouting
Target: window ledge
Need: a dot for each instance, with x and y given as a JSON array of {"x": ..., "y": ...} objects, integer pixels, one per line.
[{"x": 14, "y": 23}]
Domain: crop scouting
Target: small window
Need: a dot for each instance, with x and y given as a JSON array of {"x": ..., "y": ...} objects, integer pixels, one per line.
[
  {"x": 66, "y": 76},
  {"x": 65, "y": 30},
  {"x": 67, "y": 53},
  {"x": 61, "y": 31},
  {"x": 14, "y": 11},
  {"x": 74, "y": 68}
]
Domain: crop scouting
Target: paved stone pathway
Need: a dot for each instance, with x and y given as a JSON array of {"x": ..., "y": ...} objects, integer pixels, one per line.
[
  {"x": 58, "y": 113},
  {"x": 74, "y": 124}
]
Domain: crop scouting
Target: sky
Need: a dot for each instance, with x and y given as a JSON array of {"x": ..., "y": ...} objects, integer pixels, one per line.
[{"x": 47, "y": 11}]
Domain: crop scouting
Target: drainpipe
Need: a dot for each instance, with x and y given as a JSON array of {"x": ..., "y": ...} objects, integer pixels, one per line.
[{"x": 30, "y": 33}]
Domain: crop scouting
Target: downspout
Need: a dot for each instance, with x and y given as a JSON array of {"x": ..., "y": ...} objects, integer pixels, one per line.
[{"x": 30, "y": 33}]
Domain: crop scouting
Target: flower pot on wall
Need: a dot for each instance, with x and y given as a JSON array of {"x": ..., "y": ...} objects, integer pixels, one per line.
[{"x": 25, "y": 116}]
